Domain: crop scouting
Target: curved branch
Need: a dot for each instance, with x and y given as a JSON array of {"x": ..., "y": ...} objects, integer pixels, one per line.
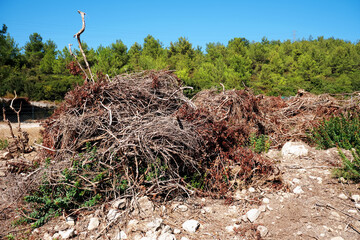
[{"x": 77, "y": 35}]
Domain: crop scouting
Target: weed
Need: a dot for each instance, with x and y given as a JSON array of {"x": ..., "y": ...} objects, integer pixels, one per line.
[
  {"x": 3, "y": 144},
  {"x": 259, "y": 143},
  {"x": 75, "y": 188},
  {"x": 350, "y": 169},
  {"x": 343, "y": 131}
]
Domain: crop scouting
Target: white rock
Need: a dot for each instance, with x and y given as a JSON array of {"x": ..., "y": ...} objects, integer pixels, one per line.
[
  {"x": 263, "y": 230},
  {"x": 352, "y": 211},
  {"x": 251, "y": 189},
  {"x": 132, "y": 225},
  {"x": 112, "y": 214},
  {"x": 152, "y": 235},
  {"x": 121, "y": 235},
  {"x": 253, "y": 214},
  {"x": 296, "y": 180},
  {"x": 337, "y": 238},
  {"x": 119, "y": 204},
  {"x": 47, "y": 236},
  {"x": 208, "y": 209},
  {"x": 154, "y": 225},
  {"x": 233, "y": 210},
  {"x": 342, "y": 196},
  {"x": 335, "y": 214},
  {"x": 67, "y": 233},
  {"x": 167, "y": 236},
  {"x": 94, "y": 223},
  {"x": 184, "y": 238},
  {"x": 266, "y": 200},
  {"x": 146, "y": 238},
  {"x": 294, "y": 149},
  {"x": 146, "y": 206},
  {"x": 262, "y": 208},
  {"x": 269, "y": 207},
  {"x": 166, "y": 229},
  {"x": 191, "y": 225},
  {"x": 357, "y": 205},
  {"x": 56, "y": 236},
  {"x": 355, "y": 198},
  {"x": 182, "y": 208},
  {"x": 244, "y": 218},
  {"x": 298, "y": 190},
  {"x": 70, "y": 221},
  {"x": 177, "y": 231},
  {"x": 229, "y": 229}
]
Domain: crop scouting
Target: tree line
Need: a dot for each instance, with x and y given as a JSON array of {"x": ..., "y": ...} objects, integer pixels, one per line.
[{"x": 40, "y": 71}]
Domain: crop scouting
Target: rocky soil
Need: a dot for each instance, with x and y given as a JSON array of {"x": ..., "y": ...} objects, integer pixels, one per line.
[{"x": 313, "y": 206}]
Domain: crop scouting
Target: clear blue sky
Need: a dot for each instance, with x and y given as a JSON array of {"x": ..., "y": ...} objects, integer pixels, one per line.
[{"x": 200, "y": 22}]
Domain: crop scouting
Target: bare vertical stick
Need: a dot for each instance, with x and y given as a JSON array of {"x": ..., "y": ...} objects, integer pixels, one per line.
[
  {"x": 17, "y": 112},
  {"x": 72, "y": 54},
  {"x": 77, "y": 35},
  {"x": 8, "y": 122}
]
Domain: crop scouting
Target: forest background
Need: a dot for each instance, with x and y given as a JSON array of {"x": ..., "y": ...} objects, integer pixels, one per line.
[{"x": 41, "y": 71}]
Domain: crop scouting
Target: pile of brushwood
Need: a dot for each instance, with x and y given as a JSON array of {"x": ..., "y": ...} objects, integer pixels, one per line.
[{"x": 138, "y": 134}]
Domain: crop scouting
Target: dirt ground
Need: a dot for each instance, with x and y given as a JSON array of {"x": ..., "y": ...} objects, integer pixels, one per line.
[
  {"x": 314, "y": 206},
  {"x": 32, "y": 128}
]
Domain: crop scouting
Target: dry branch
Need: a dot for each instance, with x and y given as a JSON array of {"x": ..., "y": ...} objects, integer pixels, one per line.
[
  {"x": 77, "y": 35},
  {"x": 77, "y": 61}
]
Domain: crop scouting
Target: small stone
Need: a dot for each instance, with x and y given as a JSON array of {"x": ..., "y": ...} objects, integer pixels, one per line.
[
  {"x": 355, "y": 198},
  {"x": 182, "y": 208},
  {"x": 166, "y": 229},
  {"x": 132, "y": 225},
  {"x": 337, "y": 238},
  {"x": 56, "y": 236},
  {"x": 146, "y": 238},
  {"x": 357, "y": 205},
  {"x": 352, "y": 211},
  {"x": 229, "y": 229},
  {"x": 294, "y": 149},
  {"x": 299, "y": 233},
  {"x": 262, "y": 208},
  {"x": 269, "y": 207},
  {"x": 298, "y": 190},
  {"x": 47, "y": 236},
  {"x": 191, "y": 225},
  {"x": 146, "y": 206},
  {"x": 112, "y": 214},
  {"x": 251, "y": 189},
  {"x": 296, "y": 180},
  {"x": 322, "y": 234},
  {"x": 177, "y": 231},
  {"x": 2, "y": 174},
  {"x": 67, "y": 233},
  {"x": 233, "y": 210},
  {"x": 266, "y": 200},
  {"x": 203, "y": 199},
  {"x": 119, "y": 204},
  {"x": 319, "y": 179},
  {"x": 94, "y": 223},
  {"x": 155, "y": 225},
  {"x": 208, "y": 209},
  {"x": 342, "y": 196},
  {"x": 70, "y": 221},
  {"x": 167, "y": 236},
  {"x": 184, "y": 238},
  {"x": 121, "y": 235},
  {"x": 335, "y": 214},
  {"x": 244, "y": 218},
  {"x": 253, "y": 214},
  {"x": 263, "y": 230}
]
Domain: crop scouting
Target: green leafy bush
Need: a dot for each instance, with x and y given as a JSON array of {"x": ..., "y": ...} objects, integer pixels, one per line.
[
  {"x": 3, "y": 144},
  {"x": 343, "y": 131},
  {"x": 75, "y": 187},
  {"x": 350, "y": 169},
  {"x": 259, "y": 143}
]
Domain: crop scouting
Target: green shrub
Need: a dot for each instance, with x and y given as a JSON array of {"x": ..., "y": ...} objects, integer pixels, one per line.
[
  {"x": 350, "y": 169},
  {"x": 3, "y": 144},
  {"x": 259, "y": 143},
  {"x": 340, "y": 131},
  {"x": 75, "y": 187}
]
